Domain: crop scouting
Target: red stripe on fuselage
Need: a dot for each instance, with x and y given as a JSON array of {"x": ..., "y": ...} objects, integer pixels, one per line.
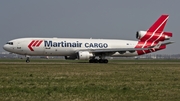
[
  {"x": 139, "y": 45},
  {"x": 39, "y": 43},
  {"x": 29, "y": 46},
  {"x": 35, "y": 43}
]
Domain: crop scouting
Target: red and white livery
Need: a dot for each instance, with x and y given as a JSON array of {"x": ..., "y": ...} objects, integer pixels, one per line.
[{"x": 94, "y": 50}]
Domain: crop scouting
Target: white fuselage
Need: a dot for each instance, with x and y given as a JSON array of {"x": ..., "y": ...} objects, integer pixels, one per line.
[{"x": 67, "y": 46}]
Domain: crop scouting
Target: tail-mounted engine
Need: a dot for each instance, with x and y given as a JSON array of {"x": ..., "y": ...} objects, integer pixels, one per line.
[{"x": 158, "y": 36}]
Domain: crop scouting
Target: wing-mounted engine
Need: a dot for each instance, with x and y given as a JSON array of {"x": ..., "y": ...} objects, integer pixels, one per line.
[
  {"x": 158, "y": 36},
  {"x": 84, "y": 55}
]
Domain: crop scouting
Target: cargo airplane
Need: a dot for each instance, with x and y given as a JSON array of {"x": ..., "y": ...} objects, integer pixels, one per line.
[{"x": 94, "y": 50}]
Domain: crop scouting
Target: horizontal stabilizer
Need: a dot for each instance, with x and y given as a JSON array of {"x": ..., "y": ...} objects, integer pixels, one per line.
[
  {"x": 166, "y": 43},
  {"x": 160, "y": 44}
]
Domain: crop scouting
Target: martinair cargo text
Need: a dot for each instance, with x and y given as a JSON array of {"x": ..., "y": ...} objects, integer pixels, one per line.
[{"x": 94, "y": 50}]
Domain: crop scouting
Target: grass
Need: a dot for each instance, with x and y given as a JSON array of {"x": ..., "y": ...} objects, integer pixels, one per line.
[{"x": 120, "y": 80}]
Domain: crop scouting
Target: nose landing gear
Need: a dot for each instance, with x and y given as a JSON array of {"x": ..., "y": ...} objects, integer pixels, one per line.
[{"x": 27, "y": 59}]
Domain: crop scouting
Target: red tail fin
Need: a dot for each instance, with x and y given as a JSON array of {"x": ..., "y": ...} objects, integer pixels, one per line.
[
  {"x": 153, "y": 35},
  {"x": 159, "y": 25},
  {"x": 156, "y": 28}
]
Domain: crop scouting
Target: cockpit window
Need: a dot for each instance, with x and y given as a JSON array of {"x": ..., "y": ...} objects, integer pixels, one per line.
[{"x": 10, "y": 43}]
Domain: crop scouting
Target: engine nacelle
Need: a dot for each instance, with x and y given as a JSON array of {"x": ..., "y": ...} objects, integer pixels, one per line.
[
  {"x": 140, "y": 34},
  {"x": 159, "y": 36},
  {"x": 84, "y": 55},
  {"x": 70, "y": 57}
]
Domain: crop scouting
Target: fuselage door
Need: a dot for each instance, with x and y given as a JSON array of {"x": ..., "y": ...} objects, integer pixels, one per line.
[{"x": 19, "y": 46}]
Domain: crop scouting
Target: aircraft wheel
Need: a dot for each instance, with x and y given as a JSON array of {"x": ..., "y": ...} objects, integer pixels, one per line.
[
  {"x": 105, "y": 61},
  {"x": 27, "y": 60},
  {"x": 90, "y": 61},
  {"x": 96, "y": 61},
  {"x": 100, "y": 60},
  {"x": 93, "y": 61}
]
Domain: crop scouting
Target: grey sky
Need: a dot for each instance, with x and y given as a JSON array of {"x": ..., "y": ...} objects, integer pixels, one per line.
[{"x": 119, "y": 19}]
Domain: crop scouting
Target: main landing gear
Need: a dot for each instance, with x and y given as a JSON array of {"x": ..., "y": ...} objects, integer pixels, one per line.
[{"x": 98, "y": 61}]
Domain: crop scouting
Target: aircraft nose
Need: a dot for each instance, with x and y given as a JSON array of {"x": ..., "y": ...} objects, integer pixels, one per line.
[{"x": 5, "y": 47}]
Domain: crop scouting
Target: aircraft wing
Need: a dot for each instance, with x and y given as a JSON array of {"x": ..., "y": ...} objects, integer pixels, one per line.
[{"x": 115, "y": 50}]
